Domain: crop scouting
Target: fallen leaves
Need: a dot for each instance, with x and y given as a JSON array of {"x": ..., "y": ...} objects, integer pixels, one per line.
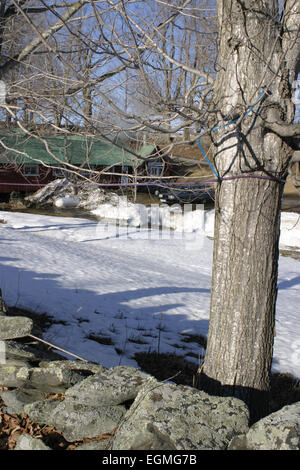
[
  {"x": 101, "y": 437},
  {"x": 12, "y": 426},
  {"x": 55, "y": 396}
]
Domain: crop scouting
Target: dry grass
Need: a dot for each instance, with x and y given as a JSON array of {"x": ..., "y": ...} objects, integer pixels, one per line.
[
  {"x": 285, "y": 390},
  {"x": 199, "y": 339},
  {"x": 101, "y": 339},
  {"x": 291, "y": 254},
  {"x": 164, "y": 366}
]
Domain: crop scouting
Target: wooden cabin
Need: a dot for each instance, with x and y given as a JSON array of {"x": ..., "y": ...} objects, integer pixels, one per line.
[{"x": 28, "y": 163}]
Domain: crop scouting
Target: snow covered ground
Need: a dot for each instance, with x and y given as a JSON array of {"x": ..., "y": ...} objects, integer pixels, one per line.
[{"x": 134, "y": 288}]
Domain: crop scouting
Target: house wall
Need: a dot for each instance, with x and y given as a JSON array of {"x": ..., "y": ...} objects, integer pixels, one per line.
[{"x": 12, "y": 179}]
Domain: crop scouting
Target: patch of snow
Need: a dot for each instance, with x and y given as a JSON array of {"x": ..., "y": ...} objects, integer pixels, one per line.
[
  {"x": 68, "y": 201},
  {"x": 290, "y": 231},
  {"x": 144, "y": 288}
]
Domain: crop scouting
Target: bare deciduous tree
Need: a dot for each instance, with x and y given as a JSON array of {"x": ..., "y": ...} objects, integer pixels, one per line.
[{"x": 242, "y": 97}]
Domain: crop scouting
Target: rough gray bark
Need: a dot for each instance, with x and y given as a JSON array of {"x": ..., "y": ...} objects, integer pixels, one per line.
[{"x": 241, "y": 331}]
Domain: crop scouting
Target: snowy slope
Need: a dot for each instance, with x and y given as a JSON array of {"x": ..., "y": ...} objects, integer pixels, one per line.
[{"x": 142, "y": 289}]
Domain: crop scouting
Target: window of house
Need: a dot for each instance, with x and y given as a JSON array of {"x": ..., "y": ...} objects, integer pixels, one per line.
[
  {"x": 31, "y": 170},
  {"x": 124, "y": 179},
  {"x": 155, "y": 168},
  {"x": 85, "y": 171}
]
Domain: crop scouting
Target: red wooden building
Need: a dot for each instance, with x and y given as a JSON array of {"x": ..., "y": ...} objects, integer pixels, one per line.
[{"x": 28, "y": 163}]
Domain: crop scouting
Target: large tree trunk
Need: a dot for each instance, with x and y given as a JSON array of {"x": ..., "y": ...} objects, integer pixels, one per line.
[
  {"x": 240, "y": 341},
  {"x": 247, "y": 215}
]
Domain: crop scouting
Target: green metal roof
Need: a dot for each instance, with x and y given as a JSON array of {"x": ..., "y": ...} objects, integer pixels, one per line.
[
  {"x": 147, "y": 150},
  {"x": 77, "y": 150}
]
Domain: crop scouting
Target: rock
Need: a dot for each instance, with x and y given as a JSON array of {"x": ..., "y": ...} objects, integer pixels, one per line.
[
  {"x": 238, "y": 443},
  {"x": 114, "y": 386},
  {"x": 19, "y": 352},
  {"x": 17, "y": 373},
  {"x": 33, "y": 352},
  {"x": 3, "y": 357},
  {"x": 58, "y": 376},
  {"x": 13, "y": 375},
  {"x": 51, "y": 379},
  {"x": 84, "y": 368},
  {"x": 26, "y": 365},
  {"x": 140, "y": 412},
  {"x": 74, "y": 420},
  {"x": 77, "y": 421},
  {"x": 27, "y": 442},
  {"x": 94, "y": 445},
  {"x": 41, "y": 411},
  {"x": 54, "y": 379},
  {"x": 168, "y": 417},
  {"x": 277, "y": 431},
  {"x": 16, "y": 400},
  {"x": 152, "y": 438},
  {"x": 15, "y": 327}
]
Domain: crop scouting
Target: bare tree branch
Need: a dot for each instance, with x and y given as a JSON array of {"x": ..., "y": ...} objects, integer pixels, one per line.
[
  {"x": 34, "y": 44},
  {"x": 284, "y": 130}
]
